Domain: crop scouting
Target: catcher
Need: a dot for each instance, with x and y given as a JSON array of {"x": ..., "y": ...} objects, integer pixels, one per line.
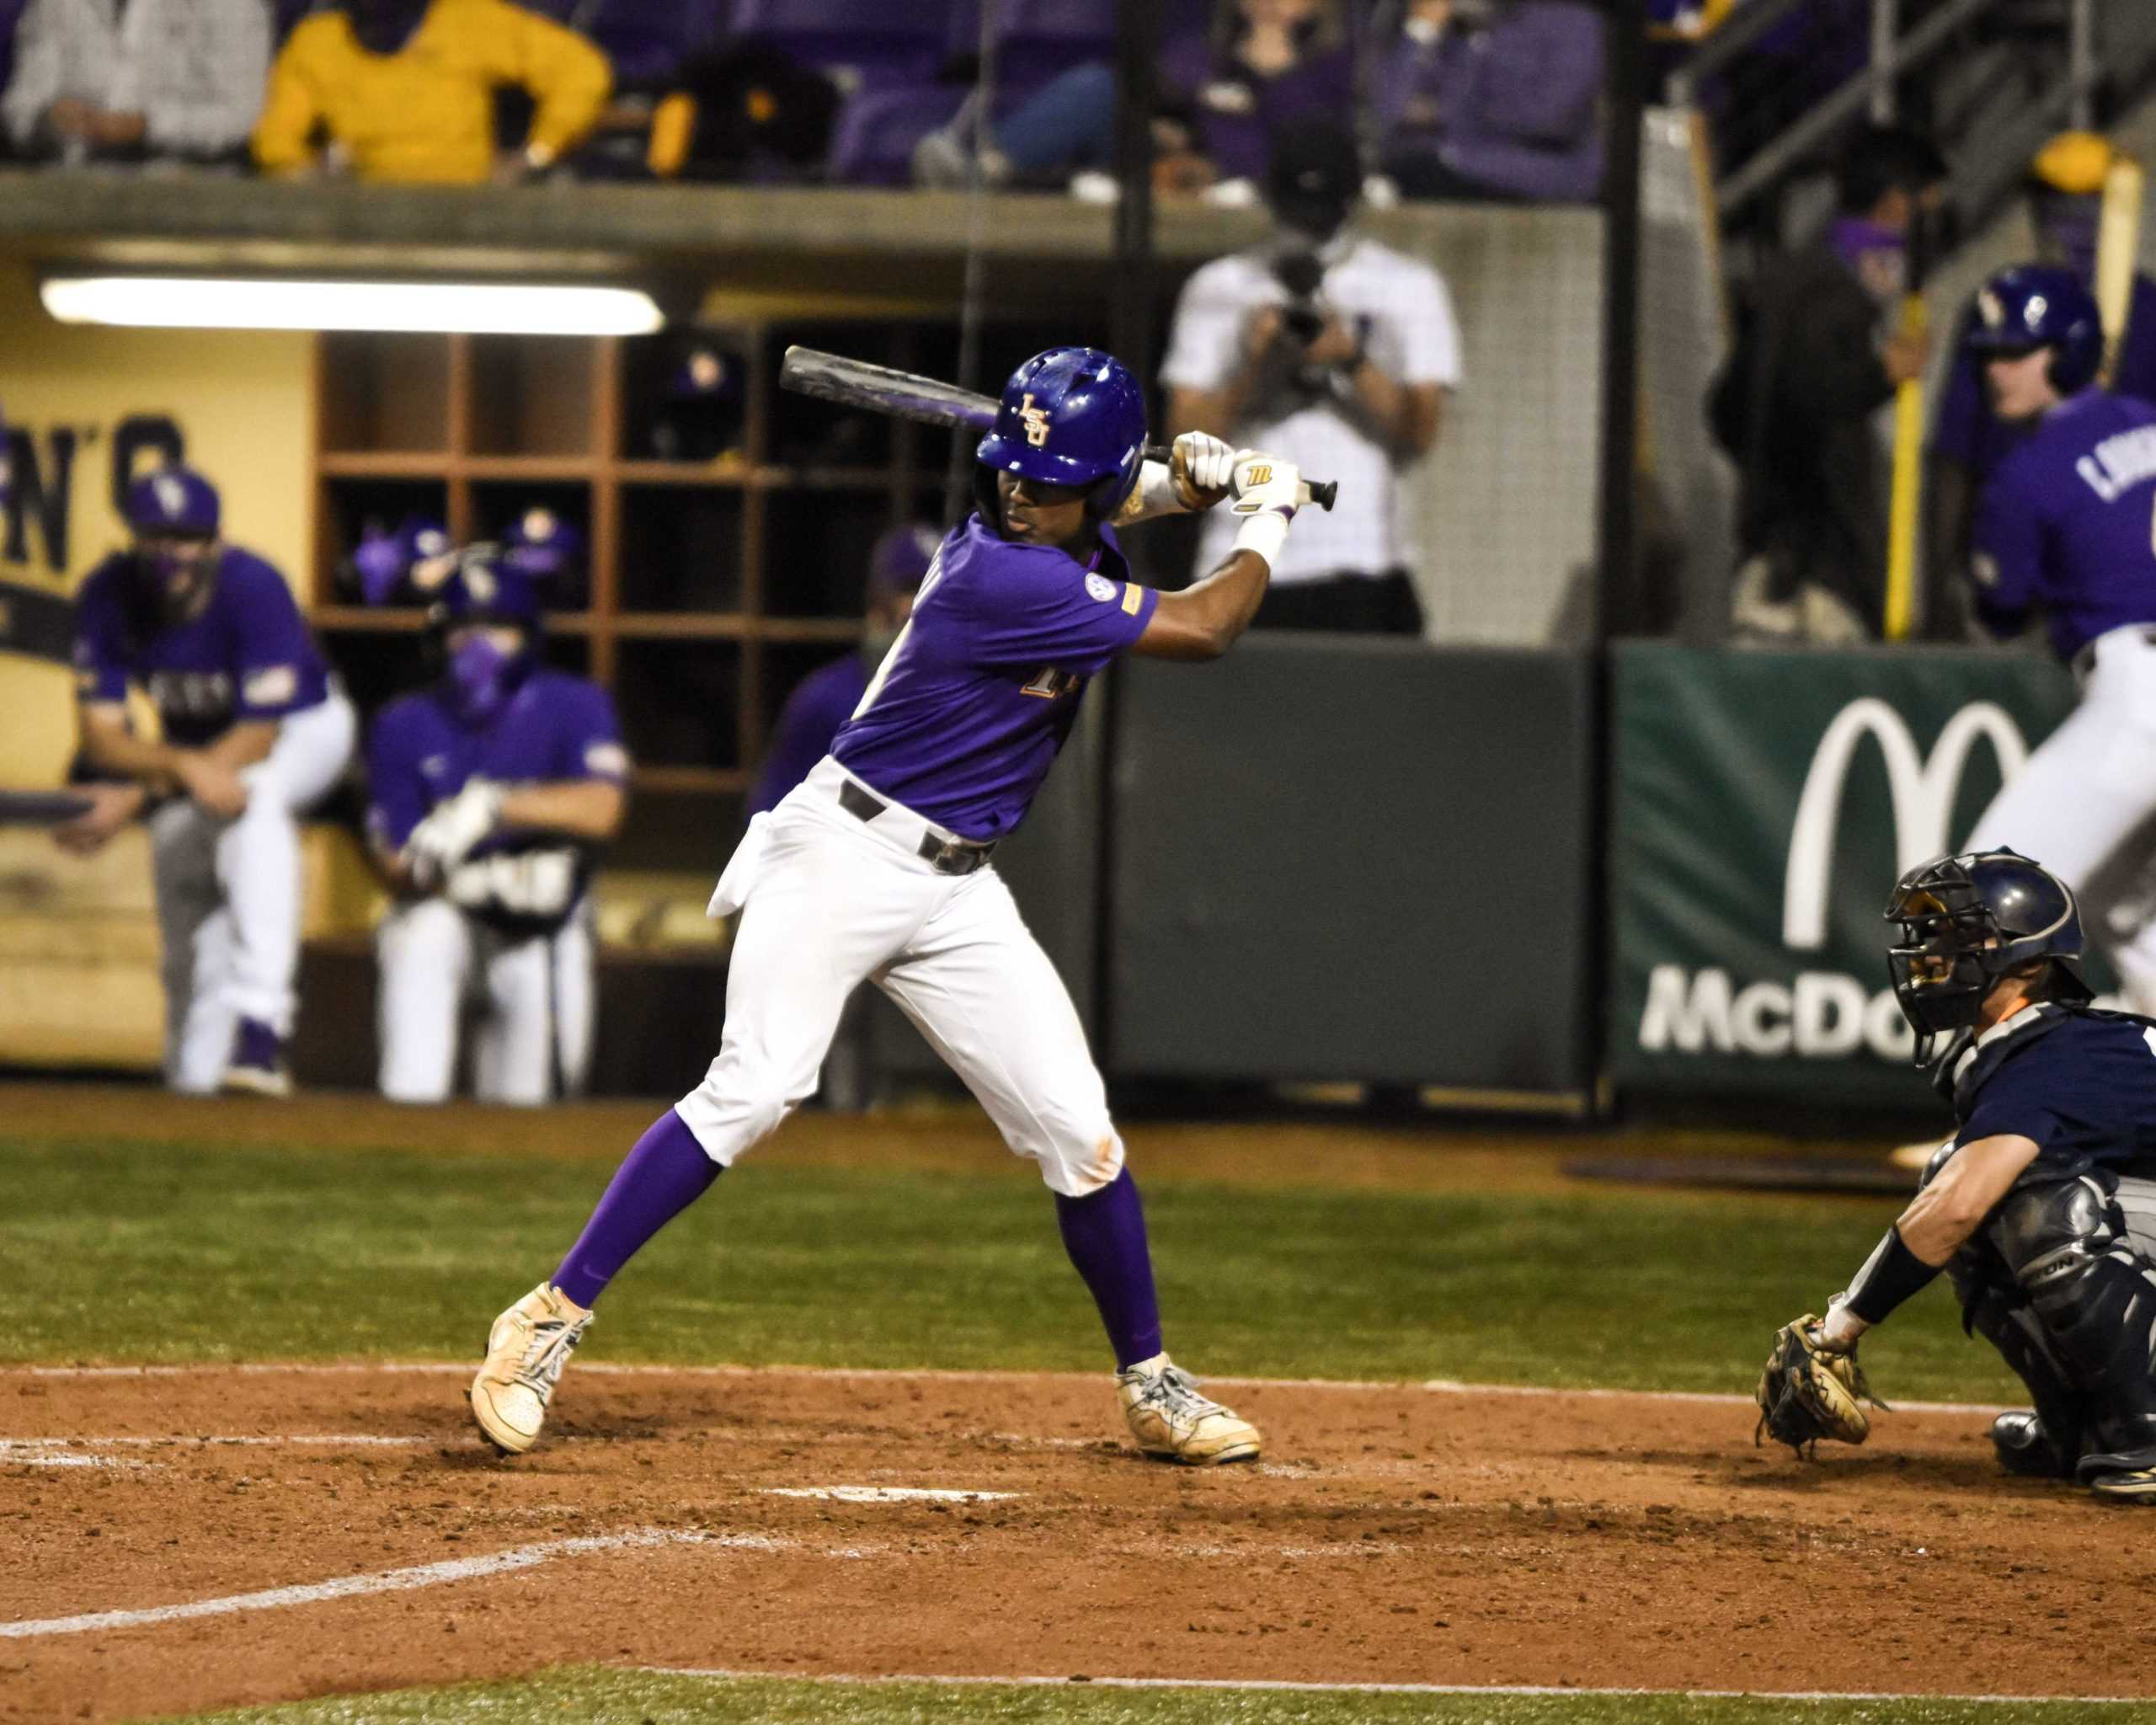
[{"x": 2041, "y": 1209}]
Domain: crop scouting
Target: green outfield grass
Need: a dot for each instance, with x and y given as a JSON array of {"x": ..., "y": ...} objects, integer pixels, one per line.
[
  {"x": 604, "y": 1697},
  {"x": 146, "y": 1253}
]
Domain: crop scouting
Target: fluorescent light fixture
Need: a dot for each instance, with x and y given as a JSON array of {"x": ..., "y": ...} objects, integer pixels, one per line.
[{"x": 440, "y": 308}]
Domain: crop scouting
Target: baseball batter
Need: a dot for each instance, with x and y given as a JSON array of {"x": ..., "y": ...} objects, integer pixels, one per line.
[
  {"x": 2041, "y": 1209},
  {"x": 491, "y": 790},
  {"x": 877, "y": 868},
  {"x": 2068, "y": 525},
  {"x": 255, "y": 733}
]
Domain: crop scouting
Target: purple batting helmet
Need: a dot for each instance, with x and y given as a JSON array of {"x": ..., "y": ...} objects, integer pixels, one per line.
[{"x": 1069, "y": 416}]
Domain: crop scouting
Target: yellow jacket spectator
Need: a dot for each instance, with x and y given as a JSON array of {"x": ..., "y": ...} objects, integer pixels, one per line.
[{"x": 404, "y": 88}]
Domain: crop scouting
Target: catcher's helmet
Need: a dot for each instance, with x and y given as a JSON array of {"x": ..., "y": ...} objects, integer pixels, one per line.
[
  {"x": 172, "y": 500},
  {"x": 487, "y": 589},
  {"x": 2041, "y": 305},
  {"x": 1965, "y": 921},
  {"x": 1069, "y": 416}
]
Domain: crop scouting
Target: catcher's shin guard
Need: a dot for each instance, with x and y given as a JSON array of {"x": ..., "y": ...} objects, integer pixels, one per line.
[
  {"x": 2045, "y": 1442},
  {"x": 2095, "y": 1297}
]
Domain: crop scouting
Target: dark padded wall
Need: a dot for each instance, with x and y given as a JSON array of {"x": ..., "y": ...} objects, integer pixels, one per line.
[{"x": 1341, "y": 858}]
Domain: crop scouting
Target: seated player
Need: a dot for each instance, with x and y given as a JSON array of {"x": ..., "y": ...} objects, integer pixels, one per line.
[
  {"x": 254, "y": 733},
  {"x": 491, "y": 792},
  {"x": 2041, "y": 1209},
  {"x": 825, "y": 699},
  {"x": 877, "y": 869}
]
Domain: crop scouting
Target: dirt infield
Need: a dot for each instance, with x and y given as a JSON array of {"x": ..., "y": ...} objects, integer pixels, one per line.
[{"x": 1393, "y": 1534}]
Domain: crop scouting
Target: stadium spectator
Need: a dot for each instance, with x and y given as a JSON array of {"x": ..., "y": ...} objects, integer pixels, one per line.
[
  {"x": 134, "y": 80},
  {"x": 1334, "y": 352},
  {"x": 405, "y": 90},
  {"x": 1794, "y": 404},
  {"x": 2064, "y": 192},
  {"x": 1496, "y": 99},
  {"x": 1225, "y": 93}
]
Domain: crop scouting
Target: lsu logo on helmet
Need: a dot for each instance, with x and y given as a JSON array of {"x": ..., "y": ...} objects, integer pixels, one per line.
[{"x": 1036, "y": 421}]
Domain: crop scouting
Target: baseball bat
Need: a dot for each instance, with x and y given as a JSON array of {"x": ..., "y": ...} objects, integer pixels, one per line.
[
  {"x": 905, "y": 395},
  {"x": 1908, "y": 451},
  {"x": 41, "y": 807},
  {"x": 2118, "y": 250}
]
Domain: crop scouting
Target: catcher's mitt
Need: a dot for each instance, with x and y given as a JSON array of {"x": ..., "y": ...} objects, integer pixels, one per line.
[{"x": 1806, "y": 1393}]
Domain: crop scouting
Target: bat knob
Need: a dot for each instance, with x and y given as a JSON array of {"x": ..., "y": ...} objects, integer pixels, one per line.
[{"x": 1323, "y": 492}]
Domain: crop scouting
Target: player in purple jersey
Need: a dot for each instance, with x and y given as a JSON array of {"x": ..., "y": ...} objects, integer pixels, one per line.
[
  {"x": 877, "y": 869},
  {"x": 2067, "y": 529},
  {"x": 825, "y": 698},
  {"x": 489, "y": 792},
  {"x": 255, "y": 731}
]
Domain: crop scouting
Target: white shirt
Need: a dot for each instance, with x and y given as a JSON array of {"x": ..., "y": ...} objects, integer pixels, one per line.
[
  {"x": 194, "y": 69},
  {"x": 1404, "y": 312}
]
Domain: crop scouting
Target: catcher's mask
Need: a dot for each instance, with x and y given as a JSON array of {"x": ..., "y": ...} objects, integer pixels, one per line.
[{"x": 1966, "y": 921}]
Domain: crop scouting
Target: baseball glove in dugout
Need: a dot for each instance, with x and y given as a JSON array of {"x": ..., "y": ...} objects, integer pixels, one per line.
[{"x": 1806, "y": 1393}]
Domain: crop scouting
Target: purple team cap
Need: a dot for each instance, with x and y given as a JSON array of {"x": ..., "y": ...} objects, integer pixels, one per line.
[
  {"x": 540, "y": 545},
  {"x": 385, "y": 560},
  {"x": 486, "y": 589},
  {"x": 901, "y": 557},
  {"x": 173, "y": 499}
]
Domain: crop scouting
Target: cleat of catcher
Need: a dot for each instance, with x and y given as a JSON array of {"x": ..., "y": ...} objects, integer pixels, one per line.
[
  {"x": 1171, "y": 1420},
  {"x": 1808, "y": 1391},
  {"x": 526, "y": 1349}
]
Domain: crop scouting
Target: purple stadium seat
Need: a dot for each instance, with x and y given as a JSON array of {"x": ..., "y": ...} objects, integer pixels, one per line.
[
  {"x": 864, "y": 44},
  {"x": 1038, "y": 38},
  {"x": 878, "y": 130}
]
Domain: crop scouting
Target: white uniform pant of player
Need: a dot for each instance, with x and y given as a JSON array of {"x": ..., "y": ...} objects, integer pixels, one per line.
[
  {"x": 828, "y": 901},
  {"x": 228, "y": 895},
  {"x": 2088, "y": 789},
  {"x": 532, "y": 1042}
]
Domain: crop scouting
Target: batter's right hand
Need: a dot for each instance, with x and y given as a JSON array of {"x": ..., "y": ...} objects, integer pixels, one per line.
[
  {"x": 1203, "y": 467},
  {"x": 1264, "y": 483}
]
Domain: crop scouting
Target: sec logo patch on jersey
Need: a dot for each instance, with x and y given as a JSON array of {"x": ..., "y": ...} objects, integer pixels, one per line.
[{"x": 1101, "y": 587}]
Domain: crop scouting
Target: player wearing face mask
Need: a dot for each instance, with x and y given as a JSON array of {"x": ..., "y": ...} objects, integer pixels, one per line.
[{"x": 491, "y": 792}]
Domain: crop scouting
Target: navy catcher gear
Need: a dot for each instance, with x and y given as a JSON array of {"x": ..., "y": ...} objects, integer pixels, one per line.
[
  {"x": 1964, "y": 921},
  {"x": 2037, "y": 305},
  {"x": 173, "y": 502},
  {"x": 1070, "y": 416}
]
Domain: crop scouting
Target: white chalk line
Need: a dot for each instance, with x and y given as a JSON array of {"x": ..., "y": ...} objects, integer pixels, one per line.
[
  {"x": 357, "y": 1440},
  {"x": 424, "y": 1575},
  {"x": 886, "y": 1494},
  {"x": 1432, "y": 1387},
  {"x": 1260, "y": 1685}
]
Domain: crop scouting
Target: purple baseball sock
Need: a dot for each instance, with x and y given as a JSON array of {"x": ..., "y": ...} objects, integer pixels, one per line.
[
  {"x": 663, "y": 1176},
  {"x": 1104, "y": 1233}
]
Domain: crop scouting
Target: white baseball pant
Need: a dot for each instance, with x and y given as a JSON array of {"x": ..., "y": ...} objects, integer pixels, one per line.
[
  {"x": 228, "y": 895},
  {"x": 828, "y": 901},
  {"x": 536, "y": 992},
  {"x": 2088, "y": 790}
]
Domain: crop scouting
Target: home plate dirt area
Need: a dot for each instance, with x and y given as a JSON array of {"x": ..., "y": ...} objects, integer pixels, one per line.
[{"x": 180, "y": 1538}]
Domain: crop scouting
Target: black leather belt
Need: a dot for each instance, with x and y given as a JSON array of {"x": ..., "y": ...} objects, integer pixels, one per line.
[{"x": 945, "y": 855}]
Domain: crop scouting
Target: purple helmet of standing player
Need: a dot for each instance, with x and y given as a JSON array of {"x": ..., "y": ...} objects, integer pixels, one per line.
[
  {"x": 2042, "y": 305},
  {"x": 174, "y": 515},
  {"x": 1069, "y": 416}
]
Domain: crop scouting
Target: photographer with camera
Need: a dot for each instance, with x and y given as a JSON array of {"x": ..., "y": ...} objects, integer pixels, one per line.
[{"x": 1335, "y": 352}]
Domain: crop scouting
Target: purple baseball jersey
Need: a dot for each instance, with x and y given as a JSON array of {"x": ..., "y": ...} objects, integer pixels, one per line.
[
  {"x": 819, "y": 704},
  {"x": 965, "y": 715},
  {"x": 1969, "y": 432},
  {"x": 555, "y": 726},
  {"x": 248, "y": 656},
  {"x": 2068, "y": 522}
]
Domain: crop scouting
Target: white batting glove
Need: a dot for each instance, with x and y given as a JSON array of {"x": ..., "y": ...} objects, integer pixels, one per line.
[
  {"x": 1203, "y": 467},
  {"x": 445, "y": 837},
  {"x": 1268, "y": 493}
]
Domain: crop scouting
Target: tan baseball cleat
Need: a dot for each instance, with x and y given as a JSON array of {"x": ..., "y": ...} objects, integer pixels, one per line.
[
  {"x": 526, "y": 1349},
  {"x": 1170, "y": 1419}
]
